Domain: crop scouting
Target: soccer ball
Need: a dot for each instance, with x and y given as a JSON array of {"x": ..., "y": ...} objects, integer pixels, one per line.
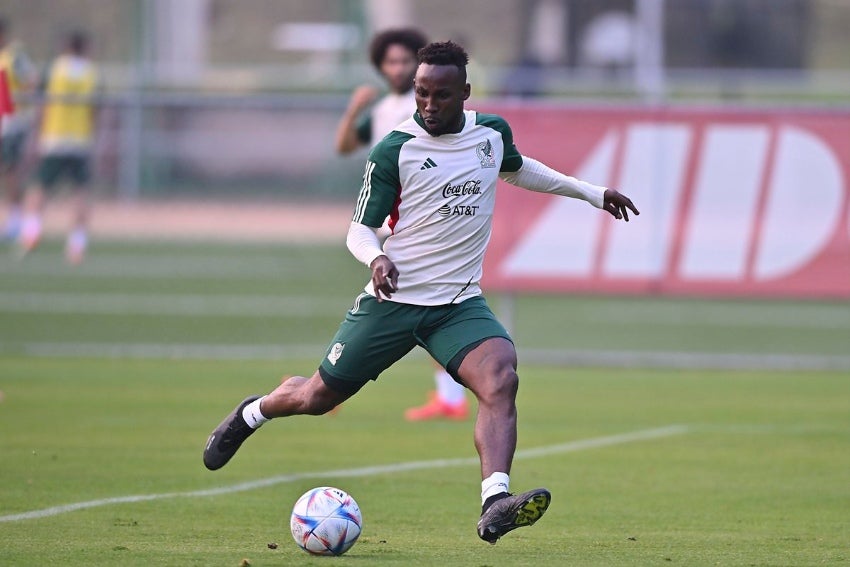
[{"x": 325, "y": 521}]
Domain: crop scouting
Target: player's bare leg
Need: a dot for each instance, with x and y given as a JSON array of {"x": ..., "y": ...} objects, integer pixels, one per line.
[
  {"x": 14, "y": 197},
  {"x": 77, "y": 242},
  {"x": 31, "y": 228},
  {"x": 301, "y": 396},
  {"x": 490, "y": 372},
  {"x": 297, "y": 395}
]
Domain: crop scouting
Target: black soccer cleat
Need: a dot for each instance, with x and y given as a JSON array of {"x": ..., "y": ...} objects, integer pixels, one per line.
[
  {"x": 226, "y": 439},
  {"x": 512, "y": 512}
]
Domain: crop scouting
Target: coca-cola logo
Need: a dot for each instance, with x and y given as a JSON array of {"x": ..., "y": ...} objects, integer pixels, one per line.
[{"x": 471, "y": 187}]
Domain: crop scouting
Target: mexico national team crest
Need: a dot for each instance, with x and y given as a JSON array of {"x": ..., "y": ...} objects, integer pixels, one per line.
[
  {"x": 335, "y": 353},
  {"x": 484, "y": 151}
]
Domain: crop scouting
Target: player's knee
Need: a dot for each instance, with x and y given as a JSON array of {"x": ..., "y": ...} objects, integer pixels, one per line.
[
  {"x": 507, "y": 382},
  {"x": 501, "y": 385}
]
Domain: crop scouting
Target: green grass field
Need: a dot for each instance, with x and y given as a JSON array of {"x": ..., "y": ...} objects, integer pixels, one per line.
[{"x": 114, "y": 373}]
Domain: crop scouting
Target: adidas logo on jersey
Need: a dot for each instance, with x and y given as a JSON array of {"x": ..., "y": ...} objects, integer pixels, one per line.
[{"x": 429, "y": 163}]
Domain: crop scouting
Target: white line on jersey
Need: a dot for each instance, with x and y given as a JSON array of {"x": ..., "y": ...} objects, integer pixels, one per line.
[{"x": 365, "y": 192}]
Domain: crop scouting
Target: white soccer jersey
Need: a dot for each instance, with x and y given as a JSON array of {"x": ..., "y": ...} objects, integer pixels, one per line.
[
  {"x": 439, "y": 192},
  {"x": 391, "y": 111}
]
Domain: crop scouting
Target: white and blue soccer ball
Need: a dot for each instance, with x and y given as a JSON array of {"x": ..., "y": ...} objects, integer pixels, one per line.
[{"x": 326, "y": 521}]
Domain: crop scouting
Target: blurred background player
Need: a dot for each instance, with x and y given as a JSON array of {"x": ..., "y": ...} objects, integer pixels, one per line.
[
  {"x": 21, "y": 77},
  {"x": 394, "y": 54},
  {"x": 66, "y": 143}
]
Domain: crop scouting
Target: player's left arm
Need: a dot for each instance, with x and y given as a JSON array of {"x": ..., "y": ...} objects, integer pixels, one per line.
[
  {"x": 528, "y": 173},
  {"x": 536, "y": 176}
]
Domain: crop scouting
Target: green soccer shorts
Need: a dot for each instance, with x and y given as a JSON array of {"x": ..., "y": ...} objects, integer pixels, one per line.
[
  {"x": 12, "y": 149},
  {"x": 73, "y": 166},
  {"x": 375, "y": 335}
]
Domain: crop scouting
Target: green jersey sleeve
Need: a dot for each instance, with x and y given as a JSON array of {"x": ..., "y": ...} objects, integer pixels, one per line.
[
  {"x": 363, "y": 128},
  {"x": 512, "y": 159},
  {"x": 381, "y": 185}
]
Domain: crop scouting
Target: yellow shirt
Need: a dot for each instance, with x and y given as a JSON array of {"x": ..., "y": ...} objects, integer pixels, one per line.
[{"x": 68, "y": 121}]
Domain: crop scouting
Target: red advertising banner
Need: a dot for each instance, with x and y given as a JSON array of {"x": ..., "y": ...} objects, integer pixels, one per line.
[{"x": 748, "y": 203}]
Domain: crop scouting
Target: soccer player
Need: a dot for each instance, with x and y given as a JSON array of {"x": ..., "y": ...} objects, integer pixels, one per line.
[
  {"x": 393, "y": 53},
  {"x": 66, "y": 143},
  {"x": 424, "y": 288},
  {"x": 22, "y": 78}
]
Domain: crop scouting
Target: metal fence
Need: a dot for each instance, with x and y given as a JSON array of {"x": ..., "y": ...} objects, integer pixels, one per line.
[{"x": 161, "y": 144}]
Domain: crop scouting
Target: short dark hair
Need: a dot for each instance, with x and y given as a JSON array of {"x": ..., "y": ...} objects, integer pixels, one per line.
[
  {"x": 78, "y": 41},
  {"x": 444, "y": 53},
  {"x": 409, "y": 38}
]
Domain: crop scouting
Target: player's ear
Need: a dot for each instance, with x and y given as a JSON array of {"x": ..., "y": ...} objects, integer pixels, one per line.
[{"x": 466, "y": 91}]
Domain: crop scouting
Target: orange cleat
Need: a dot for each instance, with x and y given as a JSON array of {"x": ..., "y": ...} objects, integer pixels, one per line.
[{"x": 438, "y": 409}]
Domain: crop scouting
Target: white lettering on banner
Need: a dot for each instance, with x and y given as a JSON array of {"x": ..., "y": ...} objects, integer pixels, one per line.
[
  {"x": 563, "y": 241},
  {"x": 653, "y": 169},
  {"x": 802, "y": 211},
  {"x": 803, "y": 206},
  {"x": 723, "y": 209}
]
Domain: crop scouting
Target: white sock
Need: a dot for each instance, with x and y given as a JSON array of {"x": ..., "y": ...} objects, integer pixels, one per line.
[
  {"x": 78, "y": 240},
  {"x": 494, "y": 484},
  {"x": 252, "y": 414},
  {"x": 449, "y": 391}
]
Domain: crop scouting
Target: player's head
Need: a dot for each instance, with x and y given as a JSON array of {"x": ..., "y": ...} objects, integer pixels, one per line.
[
  {"x": 393, "y": 53},
  {"x": 440, "y": 87},
  {"x": 77, "y": 43}
]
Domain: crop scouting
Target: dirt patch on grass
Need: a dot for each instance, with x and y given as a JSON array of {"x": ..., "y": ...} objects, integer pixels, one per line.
[{"x": 199, "y": 220}]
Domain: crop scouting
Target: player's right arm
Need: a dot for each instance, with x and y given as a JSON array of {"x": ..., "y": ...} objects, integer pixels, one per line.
[
  {"x": 377, "y": 197},
  {"x": 363, "y": 243},
  {"x": 351, "y": 134}
]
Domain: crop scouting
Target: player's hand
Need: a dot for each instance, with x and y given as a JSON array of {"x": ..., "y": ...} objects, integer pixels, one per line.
[
  {"x": 362, "y": 97},
  {"x": 618, "y": 205},
  {"x": 384, "y": 277}
]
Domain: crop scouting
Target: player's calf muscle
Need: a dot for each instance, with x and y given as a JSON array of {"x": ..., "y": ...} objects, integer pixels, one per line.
[{"x": 301, "y": 396}]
